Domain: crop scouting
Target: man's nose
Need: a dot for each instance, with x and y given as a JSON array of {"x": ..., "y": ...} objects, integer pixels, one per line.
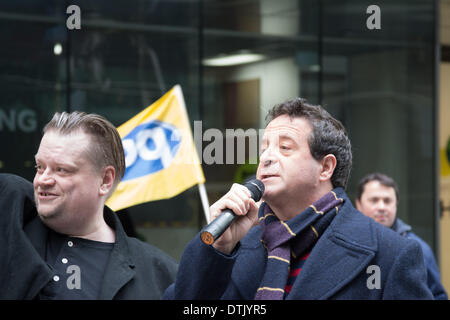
[
  {"x": 381, "y": 206},
  {"x": 267, "y": 157},
  {"x": 45, "y": 178}
]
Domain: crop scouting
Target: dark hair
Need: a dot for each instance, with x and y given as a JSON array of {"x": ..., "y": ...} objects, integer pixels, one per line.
[
  {"x": 381, "y": 178},
  {"x": 106, "y": 145},
  {"x": 328, "y": 135}
]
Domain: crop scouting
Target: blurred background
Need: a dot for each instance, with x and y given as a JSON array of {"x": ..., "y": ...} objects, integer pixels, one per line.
[{"x": 234, "y": 60}]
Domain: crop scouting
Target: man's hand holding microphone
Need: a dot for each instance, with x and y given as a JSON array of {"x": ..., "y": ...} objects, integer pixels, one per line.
[{"x": 233, "y": 215}]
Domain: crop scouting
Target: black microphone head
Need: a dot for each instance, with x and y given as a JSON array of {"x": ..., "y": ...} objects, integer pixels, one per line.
[{"x": 256, "y": 188}]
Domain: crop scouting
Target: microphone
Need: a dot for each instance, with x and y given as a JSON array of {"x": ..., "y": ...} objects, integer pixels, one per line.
[{"x": 218, "y": 226}]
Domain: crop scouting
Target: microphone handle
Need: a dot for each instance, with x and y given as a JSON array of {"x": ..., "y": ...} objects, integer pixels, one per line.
[{"x": 216, "y": 228}]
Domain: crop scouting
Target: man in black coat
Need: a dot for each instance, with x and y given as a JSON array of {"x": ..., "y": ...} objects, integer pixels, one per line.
[{"x": 58, "y": 240}]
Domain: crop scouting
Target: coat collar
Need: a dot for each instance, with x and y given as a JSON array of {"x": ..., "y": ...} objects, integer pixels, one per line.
[
  {"x": 338, "y": 257},
  {"x": 120, "y": 268},
  {"x": 401, "y": 227},
  {"x": 343, "y": 251}
]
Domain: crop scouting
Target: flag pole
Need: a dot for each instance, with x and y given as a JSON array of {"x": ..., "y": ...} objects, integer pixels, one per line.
[
  {"x": 205, "y": 203},
  {"x": 201, "y": 187}
]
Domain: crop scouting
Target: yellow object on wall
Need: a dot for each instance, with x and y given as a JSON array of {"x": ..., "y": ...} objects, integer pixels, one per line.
[{"x": 445, "y": 164}]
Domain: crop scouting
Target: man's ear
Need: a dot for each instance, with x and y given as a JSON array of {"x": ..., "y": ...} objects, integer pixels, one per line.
[
  {"x": 107, "y": 183},
  {"x": 328, "y": 165}
]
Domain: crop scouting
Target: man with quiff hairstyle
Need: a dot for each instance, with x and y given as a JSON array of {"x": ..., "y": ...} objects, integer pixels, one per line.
[{"x": 58, "y": 240}]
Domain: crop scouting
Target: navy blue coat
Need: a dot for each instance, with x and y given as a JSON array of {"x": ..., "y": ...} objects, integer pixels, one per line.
[
  {"x": 433, "y": 275},
  {"x": 340, "y": 265}
]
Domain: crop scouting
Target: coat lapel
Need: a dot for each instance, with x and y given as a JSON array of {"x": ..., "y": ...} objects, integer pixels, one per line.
[
  {"x": 120, "y": 268},
  {"x": 28, "y": 273},
  {"x": 341, "y": 254},
  {"x": 118, "y": 273}
]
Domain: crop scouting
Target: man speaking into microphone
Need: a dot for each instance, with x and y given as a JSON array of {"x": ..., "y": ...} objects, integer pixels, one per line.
[{"x": 306, "y": 240}]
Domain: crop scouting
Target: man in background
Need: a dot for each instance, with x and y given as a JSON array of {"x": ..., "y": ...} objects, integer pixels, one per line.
[
  {"x": 377, "y": 198},
  {"x": 58, "y": 240}
]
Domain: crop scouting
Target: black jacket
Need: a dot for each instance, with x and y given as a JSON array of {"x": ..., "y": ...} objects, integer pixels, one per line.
[{"x": 136, "y": 270}]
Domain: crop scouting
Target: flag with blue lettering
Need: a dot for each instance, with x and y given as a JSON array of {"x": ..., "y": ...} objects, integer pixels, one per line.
[{"x": 160, "y": 155}]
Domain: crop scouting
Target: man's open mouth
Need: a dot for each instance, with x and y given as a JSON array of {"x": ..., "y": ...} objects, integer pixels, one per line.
[{"x": 46, "y": 195}]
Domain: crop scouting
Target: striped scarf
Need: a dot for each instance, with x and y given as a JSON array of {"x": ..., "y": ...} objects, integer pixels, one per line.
[{"x": 296, "y": 236}]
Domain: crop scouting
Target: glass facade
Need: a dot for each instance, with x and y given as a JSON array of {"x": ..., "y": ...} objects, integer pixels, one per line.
[
  {"x": 372, "y": 69},
  {"x": 381, "y": 84}
]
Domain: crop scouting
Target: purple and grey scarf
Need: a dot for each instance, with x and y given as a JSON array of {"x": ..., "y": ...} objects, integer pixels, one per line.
[{"x": 296, "y": 236}]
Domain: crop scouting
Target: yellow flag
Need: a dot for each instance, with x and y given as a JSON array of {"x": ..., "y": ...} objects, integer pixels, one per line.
[{"x": 160, "y": 155}]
